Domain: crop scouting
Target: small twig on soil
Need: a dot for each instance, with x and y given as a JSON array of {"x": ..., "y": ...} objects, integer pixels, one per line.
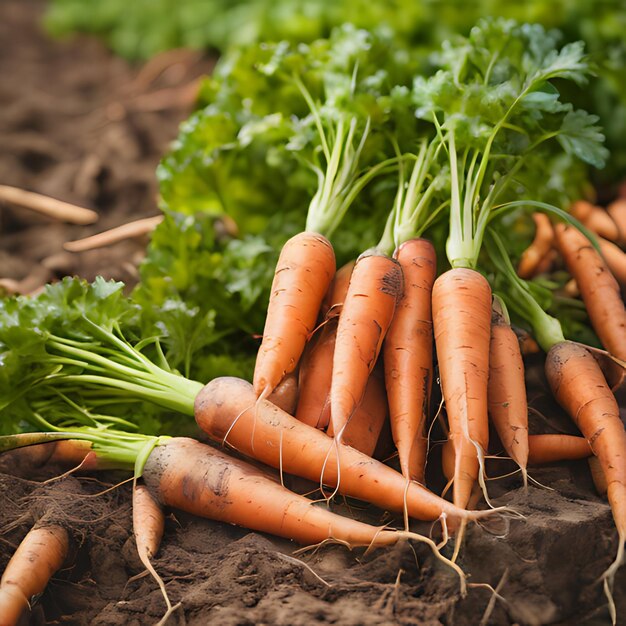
[
  {"x": 56, "y": 209},
  {"x": 136, "y": 228},
  {"x": 291, "y": 559},
  {"x": 495, "y": 596}
]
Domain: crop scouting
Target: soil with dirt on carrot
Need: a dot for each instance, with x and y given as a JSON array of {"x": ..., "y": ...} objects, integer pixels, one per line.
[{"x": 78, "y": 124}]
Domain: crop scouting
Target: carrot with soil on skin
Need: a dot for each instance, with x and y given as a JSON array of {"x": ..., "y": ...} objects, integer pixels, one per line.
[
  {"x": 39, "y": 556},
  {"x": 599, "y": 289},
  {"x": 506, "y": 391},
  {"x": 303, "y": 274},
  {"x": 408, "y": 357},
  {"x": 373, "y": 293},
  {"x": 462, "y": 321},
  {"x": 552, "y": 448},
  {"x": 223, "y": 410},
  {"x": 539, "y": 248},
  {"x": 148, "y": 528}
]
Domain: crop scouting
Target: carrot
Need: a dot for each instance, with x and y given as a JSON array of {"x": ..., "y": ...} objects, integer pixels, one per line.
[
  {"x": 41, "y": 553},
  {"x": 617, "y": 210},
  {"x": 374, "y": 290},
  {"x": 203, "y": 481},
  {"x": 551, "y": 448},
  {"x": 223, "y": 411},
  {"x": 408, "y": 357},
  {"x": 317, "y": 362},
  {"x": 366, "y": 425},
  {"x": 337, "y": 293},
  {"x": 597, "y": 475},
  {"x": 579, "y": 386},
  {"x": 148, "y": 527},
  {"x": 286, "y": 394},
  {"x": 316, "y": 370},
  {"x": 462, "y": 320},
  {"x": 596, "y": 219},
  {"x": 538, "y": 249},
  {"x": 303, "y": 273},
  {"x": 615, "y": 259},
  {"x": 600, "y": 291},
  {"x": 69, "y": 452},
  {"x": 506, "y": 393}
]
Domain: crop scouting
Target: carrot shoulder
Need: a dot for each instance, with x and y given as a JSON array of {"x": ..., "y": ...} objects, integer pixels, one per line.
[
  {"x": 303, "y": 273},
  {"x": 408, "y": 357},
  {"x": 374, "y": 290},
  {"x": 41, "y": 553},
  {"x": 599, "y": 289},
  {"x": 462, "y": 320}
]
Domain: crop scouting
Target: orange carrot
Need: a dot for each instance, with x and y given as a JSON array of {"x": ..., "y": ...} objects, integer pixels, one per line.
[
  {"x": 317, "y": 362},
  {"x": 596, "y": 219},
  {"x": 303, "y": 273},
  {"x": 615, "y": 259},
  {"x": 506, "y": 393},
  {"x": 599, "y": 289},
  {"x": 539, "y": 248},
  {"x": 408, "y": 352},
  {"x": 551, "y": 448},
  {"x": 374, "y": 290},
  {"x": 68, "y": 452},
  {"x": 203, "y": 481},
  {"x": 462, "y": 320},
  {"x": 579, "y": 387},
  {"x": 223, "y": 411},
  {"x": 366, "y": 425},
  {"x": 41, "y": 554},
  {"x": 286, "y": 394},
  {"x": 617, "y": 210},
  {"x": 336, "y": 295},
  {"x": 597, "y": 475}
]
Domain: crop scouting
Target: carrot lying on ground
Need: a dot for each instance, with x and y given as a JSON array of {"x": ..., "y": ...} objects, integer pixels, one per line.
[
  {"x": 462, "y": 320},
  {"x": 599, "y": 289},
  {"x": 506, "y": 393},
  {"x": 374, "y": 289},
  {"x": 408, "y": 357},
  {"x": 223, "y": 410},
  {"x": 551, "y": 448},
  {"x": 304, "y": 271},
  {"x": 38, "y": 557},
  {"x": 539, "y": 248},
  {"x": 579, "y": 386},
  {"x": 201, "y": 480}
]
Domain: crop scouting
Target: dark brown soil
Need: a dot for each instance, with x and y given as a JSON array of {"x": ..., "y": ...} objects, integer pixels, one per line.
[{"x": 81, "y": 125}]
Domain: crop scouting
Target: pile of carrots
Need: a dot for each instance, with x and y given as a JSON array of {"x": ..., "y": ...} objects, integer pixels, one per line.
[{"x": 348, "y": 352}]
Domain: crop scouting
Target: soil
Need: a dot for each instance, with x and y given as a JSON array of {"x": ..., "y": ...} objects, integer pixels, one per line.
[{"x": 82, "y": 126}]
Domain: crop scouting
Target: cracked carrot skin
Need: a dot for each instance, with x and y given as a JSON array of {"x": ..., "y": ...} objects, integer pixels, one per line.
[
  {"x": 39, "y": 556},
  {"x": 506, "y": 394},
  {"x": 599, "y": 289},
  {"x": 303, "y": 274},
  {"x": 201, "y": 480},
  {"x": 580, "y": 388},
  {"x": 462, "y": 320},
  {"x": 374, "y": 290},
  {"x": 408, "y": 357},
  {"x": 225, "y": 410}
]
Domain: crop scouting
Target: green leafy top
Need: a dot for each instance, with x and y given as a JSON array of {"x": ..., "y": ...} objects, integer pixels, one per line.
[{"x": 493, "y": 104}]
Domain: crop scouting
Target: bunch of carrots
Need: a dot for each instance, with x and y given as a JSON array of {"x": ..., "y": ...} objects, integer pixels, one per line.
[{"x": 343, "y": 349}]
